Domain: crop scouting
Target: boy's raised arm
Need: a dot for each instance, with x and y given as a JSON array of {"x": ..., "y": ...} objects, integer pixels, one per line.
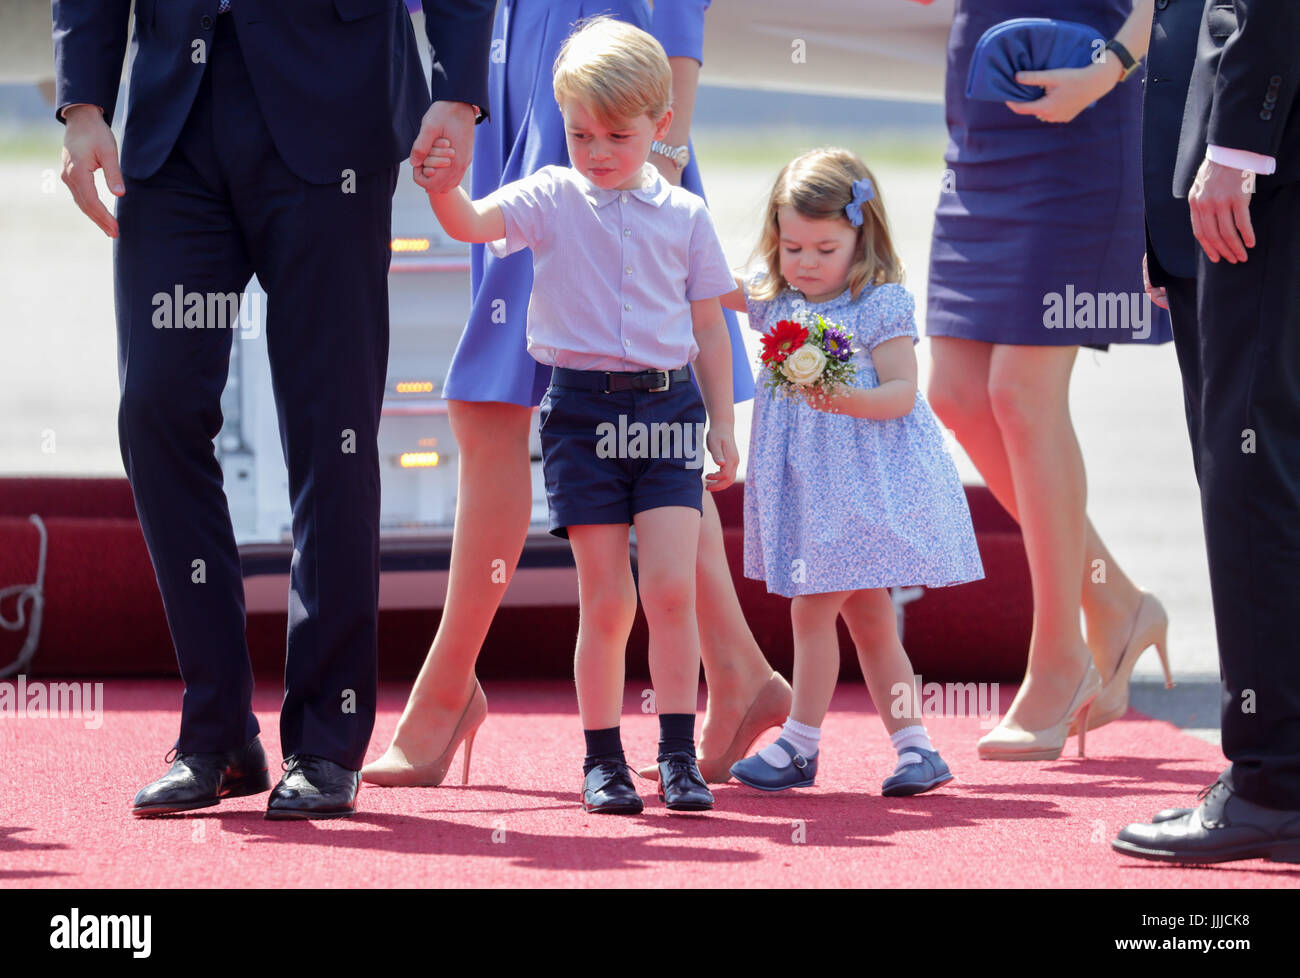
[{"x": 477, "y": 221}]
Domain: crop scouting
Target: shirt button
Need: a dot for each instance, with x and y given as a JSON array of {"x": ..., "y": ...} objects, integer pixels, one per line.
[
  {"x": 627, "y": 307},
  {"x": 206, "y": 23},
  {"x": 628, "y": 344},
  {"x": 623, "y": 198},
  {"x": 627, "y": 232},
  {"x": 628, "y": 269}
]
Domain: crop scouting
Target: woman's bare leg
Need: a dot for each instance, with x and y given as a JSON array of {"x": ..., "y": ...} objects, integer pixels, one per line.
[
  {"x": 1028, "y": 390},
  {"x": 958, "y": 392},
  {"x": 493, "y": 505},
  {"x": 735, "y": 668}
]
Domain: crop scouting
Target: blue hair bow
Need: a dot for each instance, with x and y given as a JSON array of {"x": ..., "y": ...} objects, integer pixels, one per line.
[{"x": 862, "y": 192}]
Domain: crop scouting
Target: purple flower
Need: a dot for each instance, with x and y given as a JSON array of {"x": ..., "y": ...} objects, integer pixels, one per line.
[{"x": 836, "y": 344}]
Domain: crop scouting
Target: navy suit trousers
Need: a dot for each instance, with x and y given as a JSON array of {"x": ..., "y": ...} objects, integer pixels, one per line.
[
  {"x": 222, "y": 207},
  {"x": 1237, "y": 332}
]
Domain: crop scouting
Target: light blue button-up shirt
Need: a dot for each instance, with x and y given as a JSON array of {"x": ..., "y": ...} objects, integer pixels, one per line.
[{"x": 614, "y": 271}]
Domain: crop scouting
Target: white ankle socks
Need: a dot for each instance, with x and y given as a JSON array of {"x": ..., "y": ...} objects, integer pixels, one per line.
[
  {"x": 800, "y": 736},
  {"x": 908, "y": 737}
]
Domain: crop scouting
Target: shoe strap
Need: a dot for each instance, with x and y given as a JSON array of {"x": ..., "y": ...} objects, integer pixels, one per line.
[{"x": 796, "y": 758}]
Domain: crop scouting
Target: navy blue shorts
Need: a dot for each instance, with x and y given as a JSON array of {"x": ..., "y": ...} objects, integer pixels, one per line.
[{"x": 607, "y": 457}]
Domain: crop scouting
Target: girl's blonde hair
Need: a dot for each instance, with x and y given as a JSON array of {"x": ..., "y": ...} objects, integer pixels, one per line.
[
  {"x": 615, "y": 70},
  {"x": 819, "y": 185}
]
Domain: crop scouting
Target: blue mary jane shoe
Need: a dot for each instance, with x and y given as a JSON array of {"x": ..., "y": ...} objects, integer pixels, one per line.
[
  {"x": 929, "y": 773},
  {"x": 757, "y": 773}
]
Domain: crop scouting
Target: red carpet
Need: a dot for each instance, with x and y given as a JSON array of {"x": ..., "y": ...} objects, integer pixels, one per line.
[{"x": 65, "y": 791}]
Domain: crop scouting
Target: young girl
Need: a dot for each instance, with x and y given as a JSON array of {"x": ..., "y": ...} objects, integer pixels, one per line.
[
  {"x": 851, "y": 494},
  {"x": 627, "y": 274}
]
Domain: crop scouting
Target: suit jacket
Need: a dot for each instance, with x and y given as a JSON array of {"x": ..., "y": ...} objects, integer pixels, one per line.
[
  {"x": 338, "y": 81},
  {"x": 1175, "y": 29},
  {"x": 1243, "y": 88}
]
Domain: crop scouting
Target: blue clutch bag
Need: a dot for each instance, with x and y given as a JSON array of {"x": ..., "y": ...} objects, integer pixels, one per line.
[{"x": 1027, "y": 44}]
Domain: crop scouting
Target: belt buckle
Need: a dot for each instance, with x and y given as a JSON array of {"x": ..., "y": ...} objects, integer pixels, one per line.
[{"x": 667, "y": 382}]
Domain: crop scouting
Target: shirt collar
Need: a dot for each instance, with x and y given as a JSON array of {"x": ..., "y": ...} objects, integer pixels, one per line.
[{"x": 654, "y": 188}]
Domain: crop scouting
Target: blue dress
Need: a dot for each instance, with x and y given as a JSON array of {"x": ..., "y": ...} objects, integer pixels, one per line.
[
  {"x": 836, "y": 503},
  {"x": 1034, "y": 209},
  {"x": 524, "y": 133}
]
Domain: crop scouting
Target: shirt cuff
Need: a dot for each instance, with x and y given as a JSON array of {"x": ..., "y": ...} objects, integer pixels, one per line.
[
  {"x": 1240, "y": 159},
  {"x": 63, "y": 112}
]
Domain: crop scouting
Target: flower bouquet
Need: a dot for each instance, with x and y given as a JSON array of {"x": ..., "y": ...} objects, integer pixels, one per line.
[{"x": 796, "y": 357}]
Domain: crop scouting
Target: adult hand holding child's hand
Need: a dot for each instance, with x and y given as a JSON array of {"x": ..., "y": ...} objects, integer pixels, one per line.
[
  {"x": 441, "y": 156},
  {"x": 452, "y": 124}
]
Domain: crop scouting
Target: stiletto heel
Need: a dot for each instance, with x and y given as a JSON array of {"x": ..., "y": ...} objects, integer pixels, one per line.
[
  {"x": 1164, "y": 661},
  {"x": 469, "y": 749},
  {"x": 1150, "y": 627},
  {"x": 395, "y": 770},
  {"x": 1009, "y": 741}
]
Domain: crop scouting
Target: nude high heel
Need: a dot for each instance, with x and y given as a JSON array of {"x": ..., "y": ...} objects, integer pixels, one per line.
[
  {"x": 769, "y": 709},
  {"x": 1150, "y": 627},
  {"x": 395, "y": 770},
  {"x": 1009, "y": 741}
]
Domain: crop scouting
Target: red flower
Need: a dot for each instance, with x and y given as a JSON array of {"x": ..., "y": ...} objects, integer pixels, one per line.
[{"x": 782, "y": 340}]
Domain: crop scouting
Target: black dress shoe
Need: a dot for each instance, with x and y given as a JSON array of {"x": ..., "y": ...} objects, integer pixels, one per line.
[
  {"x": 1225, "y": 827},
  {"x": 681, "y": 786},
  {"x": 607, "y": 789},
  {"x": 313, "y": 787},
  {"x": 200, "y": 780}
]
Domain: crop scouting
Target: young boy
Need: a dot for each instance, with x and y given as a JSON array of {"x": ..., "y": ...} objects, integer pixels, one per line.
[{"x": 627, "y": 271}]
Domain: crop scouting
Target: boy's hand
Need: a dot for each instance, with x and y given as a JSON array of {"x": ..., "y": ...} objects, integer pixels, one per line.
[
  {"x": 721, "y": 442},
  {"x": 441, "y": 156}
]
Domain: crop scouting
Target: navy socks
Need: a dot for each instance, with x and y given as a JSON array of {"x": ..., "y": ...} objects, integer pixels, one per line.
[
  {"x": 676, "y": 734},
  {"x": 602, "y": 746}
]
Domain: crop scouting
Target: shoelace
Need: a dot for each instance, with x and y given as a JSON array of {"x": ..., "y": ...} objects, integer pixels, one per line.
[
  {"x": 687, "y": 766},
  {"x": 296, "y": 760},
  {"x": 179, "y": 755},
  {"x": 615, "y": 768}
]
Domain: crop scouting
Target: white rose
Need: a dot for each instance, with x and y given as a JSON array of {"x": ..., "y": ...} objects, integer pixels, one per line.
[{"x": 805, "y": 365}]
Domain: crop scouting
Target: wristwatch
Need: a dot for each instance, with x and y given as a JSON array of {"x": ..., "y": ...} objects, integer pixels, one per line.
[
  {"x": 1127, "y": 60},
  {"x": 680, "y": 155}
]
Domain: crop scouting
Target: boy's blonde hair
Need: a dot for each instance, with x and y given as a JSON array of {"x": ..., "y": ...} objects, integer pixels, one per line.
[
  {"x": 615, "y": 70},
  {"x": 819, "y": 185}
]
